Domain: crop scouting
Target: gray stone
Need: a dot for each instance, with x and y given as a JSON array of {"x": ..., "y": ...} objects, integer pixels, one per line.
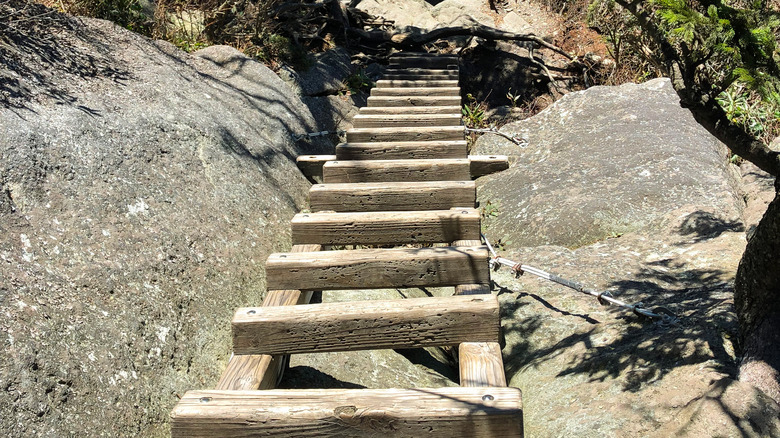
[
  {"x": 647, "y": 208},
  {"x": 325, "y": 77},
  {"x": 141, "y": 190},
  {"x": 603, "y": 162}
]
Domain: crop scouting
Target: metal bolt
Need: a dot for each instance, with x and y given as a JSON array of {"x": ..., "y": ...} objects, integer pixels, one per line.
[{"x": 488, "y": 397}]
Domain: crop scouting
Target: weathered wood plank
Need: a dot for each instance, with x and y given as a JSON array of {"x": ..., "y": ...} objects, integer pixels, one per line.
[
  {"x": 383, "y": 228},
  {"x": 259, "y": 371},
  {"x": 377, "y": 268},
  {"x": 405, "y": 120},
  {"x": 402, "y": 196},
  {"x": 479, "y": 165},
  {"x": 470, "y": 289},
  {"x": 433, "y": 413},
  {"x": 486, "y": 164},
  {"x": 311, "y": 165},
  {"x": 481, "y": 364},
  {"x": 384, "y": 101},
  {"x": 362, "y": 135},
  {"x": 395, "y": 83},
  {"x": 358, "y": 171},
  {"x": 366, "y": 325},
  {"x": 402, "y": 150},
  {"x": 420, "y": 76},
  {"x": 393, "y": 110},
  {"x": 416, "y": 91}
]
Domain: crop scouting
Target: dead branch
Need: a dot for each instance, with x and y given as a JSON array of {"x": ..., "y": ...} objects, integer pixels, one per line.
[{"x": 410, "y": 40}]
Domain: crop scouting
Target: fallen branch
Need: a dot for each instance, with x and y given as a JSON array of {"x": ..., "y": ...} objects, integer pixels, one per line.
[{"x": 410, "y": 40}]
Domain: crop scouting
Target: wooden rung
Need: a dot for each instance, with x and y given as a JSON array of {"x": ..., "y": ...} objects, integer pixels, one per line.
[
  {"x": 311, "y": 165},
  {"x": 482, "y": 165},
  {"x": 393, "y": 110},
  {"x": 358, "y": 171},
  {"x": 397, "y": 161},
  {"x": 260, "y": 371},
  {"x": 394, "y": 83},
  {"x": 420, "y": 71},
  {"x": 425, "y": 65},
  {"x": 402, "y": 150},
  {"x": 366, "y": 325},
  {"x": 378, "y": 268},
  {"x": 384, "y": 101},
  {"x": 360, "y": 135},
  {"x": 481, "y": 364},
  {"x": 400, "y": 196},
  {"x": 405, "y": 120},
  {"x": 383, "y": 228},
  {"x": 432, "y": 413},
  {"x": 416, "y": 91},
  {"x": 421, "y": 76}
]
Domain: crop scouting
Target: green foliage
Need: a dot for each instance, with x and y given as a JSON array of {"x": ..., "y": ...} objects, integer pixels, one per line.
[
  {"x": 358, "y": 81},
  {"x": 729, "y": 51},
  {"x": 746, "y": 108},
  {"x": 727, "y": 42},
  {"x": 126, "y": 13},
  {"x": 474, "y": 113}
]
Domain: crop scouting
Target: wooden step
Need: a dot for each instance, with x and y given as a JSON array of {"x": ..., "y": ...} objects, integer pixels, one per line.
[
  {"x": 311, "y": 165},
  {"x": 416, "y": 91},
  {"x": 481, "y": 364},
  {"x": 366, "y": 325},
  {"x": 359, "y": 171},
  {"x": 378, "y": 268},
  {"x": 401, "y": 150},
  {"x": 435, "y": 133},
  {"x": 383, "y": 101},
  {"x": 431, "y": 412},
  {"x": 421, "y": 74},
  {"x": 395, "y": 110},
  {"x": 383, "y": 228},
  {"x": 393, "y": 83},
  {"x": 423, "y": 61},
  {"x": 400, "y": 196},
  {"x": 405, "y": 120},
  {"x": 479, "y": 165}
]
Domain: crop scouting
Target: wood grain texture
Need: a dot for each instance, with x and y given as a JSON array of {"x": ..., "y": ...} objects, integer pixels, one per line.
[
  {"x": 432, "y": 413},
  {"x": 311, "y": 165},
  {"x": 361, "y": 135},
  {"x": 486, "y": 164},
  {"x": 402, "y": 150},
  {"x": 390, "y": 110},
  {"x": 416, "y": 91},
  {"x": 364, "y": 325},
  {"x": 259, "y": 371},
  {"x": 359, "y": 171},
  {"x": 377, "y": 268},
  {"x": 421, "y": 76},
  {"x": 401, "y": 196},
  {"x": 395, "y": 83},
  {"x": 405, "y": 120},
  {"x": 481, "y": 364},
  {"x": 383, "y": 228},
  {"x": 385, "y": 101},
  {"x": 471, "y": 289}
]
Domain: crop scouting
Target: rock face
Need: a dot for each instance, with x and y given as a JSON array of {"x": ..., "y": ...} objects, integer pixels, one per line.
[
  {"x": 604, "y": 162},
  {"x": 620, "y": 190},
  {"x": 141, "y": 191}
]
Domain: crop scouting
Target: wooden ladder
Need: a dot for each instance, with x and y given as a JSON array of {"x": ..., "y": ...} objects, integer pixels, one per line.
[{"x": 403, "y": 177}]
